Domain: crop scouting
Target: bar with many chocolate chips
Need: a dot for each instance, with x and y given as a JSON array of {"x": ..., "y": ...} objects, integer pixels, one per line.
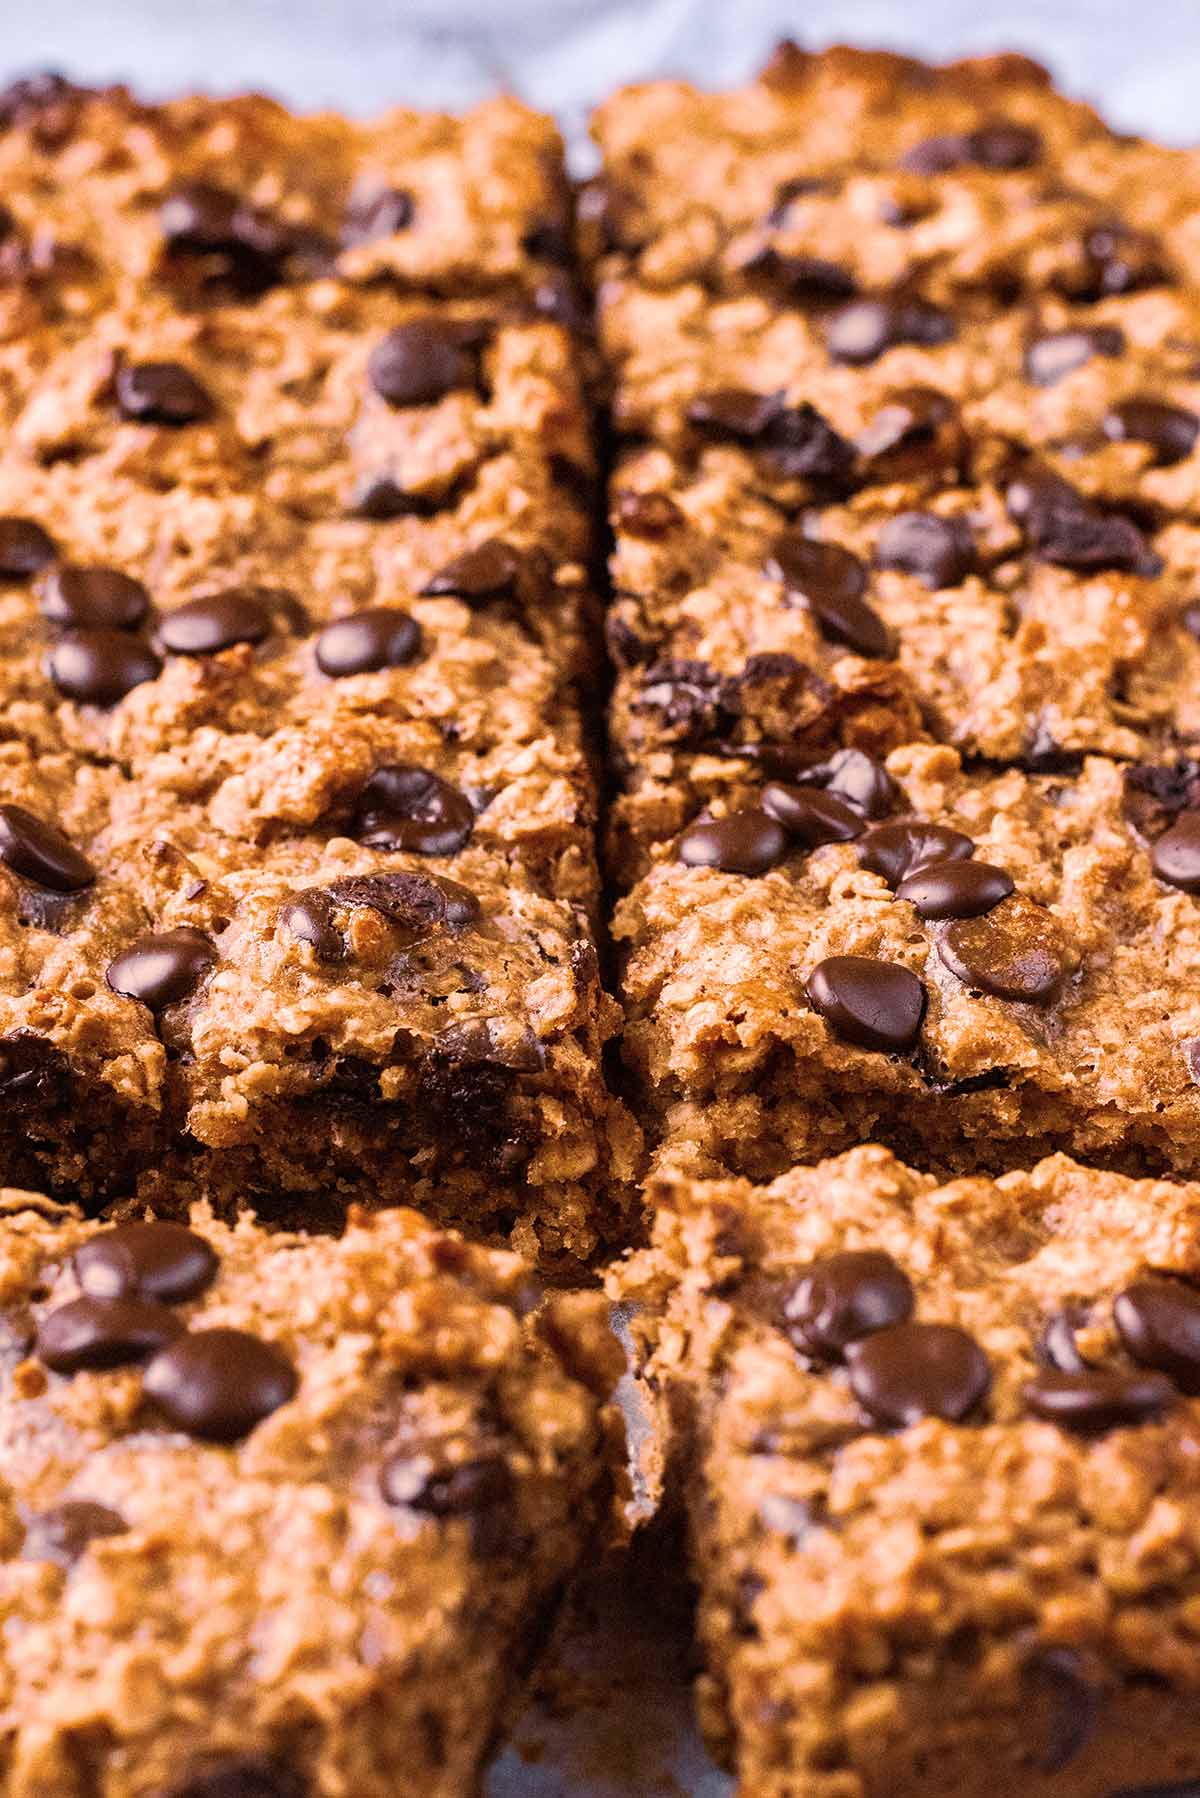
[
  {"x": 976, "y": 967},
  {"x": 281, "y": 1514},
  {"x": 938, "y": 1444}
]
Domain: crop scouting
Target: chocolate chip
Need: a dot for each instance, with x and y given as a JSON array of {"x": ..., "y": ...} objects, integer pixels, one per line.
[
  {"x": 1002, "y": 145},
  {"x": 162, "y": 1261},
  {"x": 1057, "y": 1347},
  {"x": 912, "y": 1370},
  {"x": 403, "y": 807},
  {"x": 862, "y": 331},
  {"x": 161, "y": 393},
  {"x": 102, "y": 1333},
  {"x": 375, "y": 211},
  {"x": 1117, "y": 259},
  {"x": 938, "y": 551},
  {"x": 489, "y": 571},
  {"x": 831, "y": 582},
  {"x": 1075, "y": 1693},
  {"x": 25, "y": 548},
  {"x": 493, "y": 1043},
  {"x": 163, "y": 968},
  {"x": 310, "y": 918},
  {"x": 897, "y": 850},
  {"x": 1176, "y": 855},
  {"x": 955, "y": 889},
  {"x": 99, "y": 667},
  {"x": 875, "y": 1004},
  {"x": 851, "y": 775},
  {"x": 363, "y": 642},
  {"x": 419, "y": 903},
  {"x": 743, "y": 842},
  {"x": 1170, "y": 431},
  {"x": 788, "y": 192},
  {"x": 798, "y": 441},
  {"x": 218, "y": 1384},
  {"x": 846, "y": 1296},
  {"x": 199, "y": 217},
  {"x": 916, "y": 431},
  {"x": 81, "y": 598},
  {"x": 38, "y": 851},
  {"x": 241, "y": 1778},
  {"x": 651, "y": 515},
  {"x": 1063, "y": 527},
  {"x": 811, "y": 816},
  {"x": 1017, "y": 951},
  {"x": 800, "y": 280},
  {"x": 204, "y": 627},
  {"x": 1159, "y": 1323},
  {"x": 1055, "y": 354},
  {"x": 421, "y": 362},
  {"x": 429, "y": 1480},
  {"x": 1099, "y": 1398},
  {"x": 64, "y": 1534}
]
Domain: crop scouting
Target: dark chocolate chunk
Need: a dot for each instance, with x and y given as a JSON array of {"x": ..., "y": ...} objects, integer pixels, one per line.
[
  {"x": 403, "y": 807},
  {"x": 491, "y": 1042},
  {"x": 204, "y": 627},
  {"x": 38, "y": 851},
  {"x": 798, "y": 442},
  {"x": 1063, "y": 527},
  {"x": 914, "y": 1370},
  {"x": 489, "y": 571},
  {"x": 218, "y": 1384},
  {"x": 897, "y": 850},
  {"x": 161, "y": 393},
  {"x": 938, "y": 551},
  {"x": 875, "y": 1004},
  {"x": 100, "y": 666},
  {"x": 25, "y": 548},
  {"x": 162, "y": 968},
  {"x": 864, "y": 329},
  {"x": 101, "y": 1333},
  {"x": 160, "y": 1260},
  {"x": 366, "y": 641},
  {"x": 1176, "y": 855},
  {"x": 419, "y": 363},
  {"x": 1170, "y": 431},
  {"x": 844, "y": 1297},
  {"x": 1098, "y": 1398},
  {"x": 743, "y": 842},
  {"x": 831, "y": 582},
  {"x": 416, "y": 902},
  {"x": 811, "y": 815},
  {"x": 1017, "y": 951},
  {"x": 955, "y": 889},
  {"x": 1056, "y": 354},
  {"x": 1159, "y": 1323},
  {"x": 84, "y": 598},
  {"x": 64, "y": 1534}
]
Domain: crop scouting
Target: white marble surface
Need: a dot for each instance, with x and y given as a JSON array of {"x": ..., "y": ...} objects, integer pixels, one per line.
[
  {"x": 629, "y": 1736},
  {"x": 1141, "y": 60}
]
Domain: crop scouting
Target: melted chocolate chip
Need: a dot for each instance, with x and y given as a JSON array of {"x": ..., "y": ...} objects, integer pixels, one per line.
[
  {"x": 831, "y": 582},
  {"x": 743, "y": 842},
  {"x": 161, "y": 393},
  {"x": 491, "y": 570},
  {"x": 403, "y": 807},
  {"x": 1176, "y": 855},
  {"x": 163, "y": 968},
  {"x": 38, "y": 851},
  {"x": 1170, "y": 431},
  {"x": 938, "y": 551},
  {"x": 874, "y": 1004},
  {"x": 811, "y": 816},
  {"x": 651, "y": 515},
  {"x": 862, "y": 331},
  {"x": 101, "y": 1333},
  {"x": 916, "y": 431},
  {"x": 490, "y": 1042},
  {"x": 310, "y": 918},
  {"x": 844, "y": 1297},
  {"x": 204, "y": 627},
  {"x": 853, "y": 776},
  {"x": 419, "y": 903},
  {"x": 218, "y": 1384},
  {"x": 419, "y": 363},
  {"x": 800, "y": 280},
  {"x": 64, "y": 1535},
  {"x": 913, "y": 1370},
  {"x": 955, "y": 889},
  {"x": 375, "y": 211},
  {"x": 799, "y": 442},
  {"x": 1056, "y": 354},
  {"x": 897, "y": 850},
  {"x": 1098, "y": 1398},
  {"x": 162, "y": 1261},
  {"x": 366, "y": 641},
  {"x": 1017, "y": 951},
  {"x": 25, "y": 548},
  {"x": 1063, "y": 527},
  {"x": 1159, "y": 1323},
  {"x": 80, "y": 598},
  {"x": 99, "y": 667}
]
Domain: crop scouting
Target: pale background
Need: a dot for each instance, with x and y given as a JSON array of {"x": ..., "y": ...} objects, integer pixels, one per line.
[{"x": 1139, "y": 59}]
